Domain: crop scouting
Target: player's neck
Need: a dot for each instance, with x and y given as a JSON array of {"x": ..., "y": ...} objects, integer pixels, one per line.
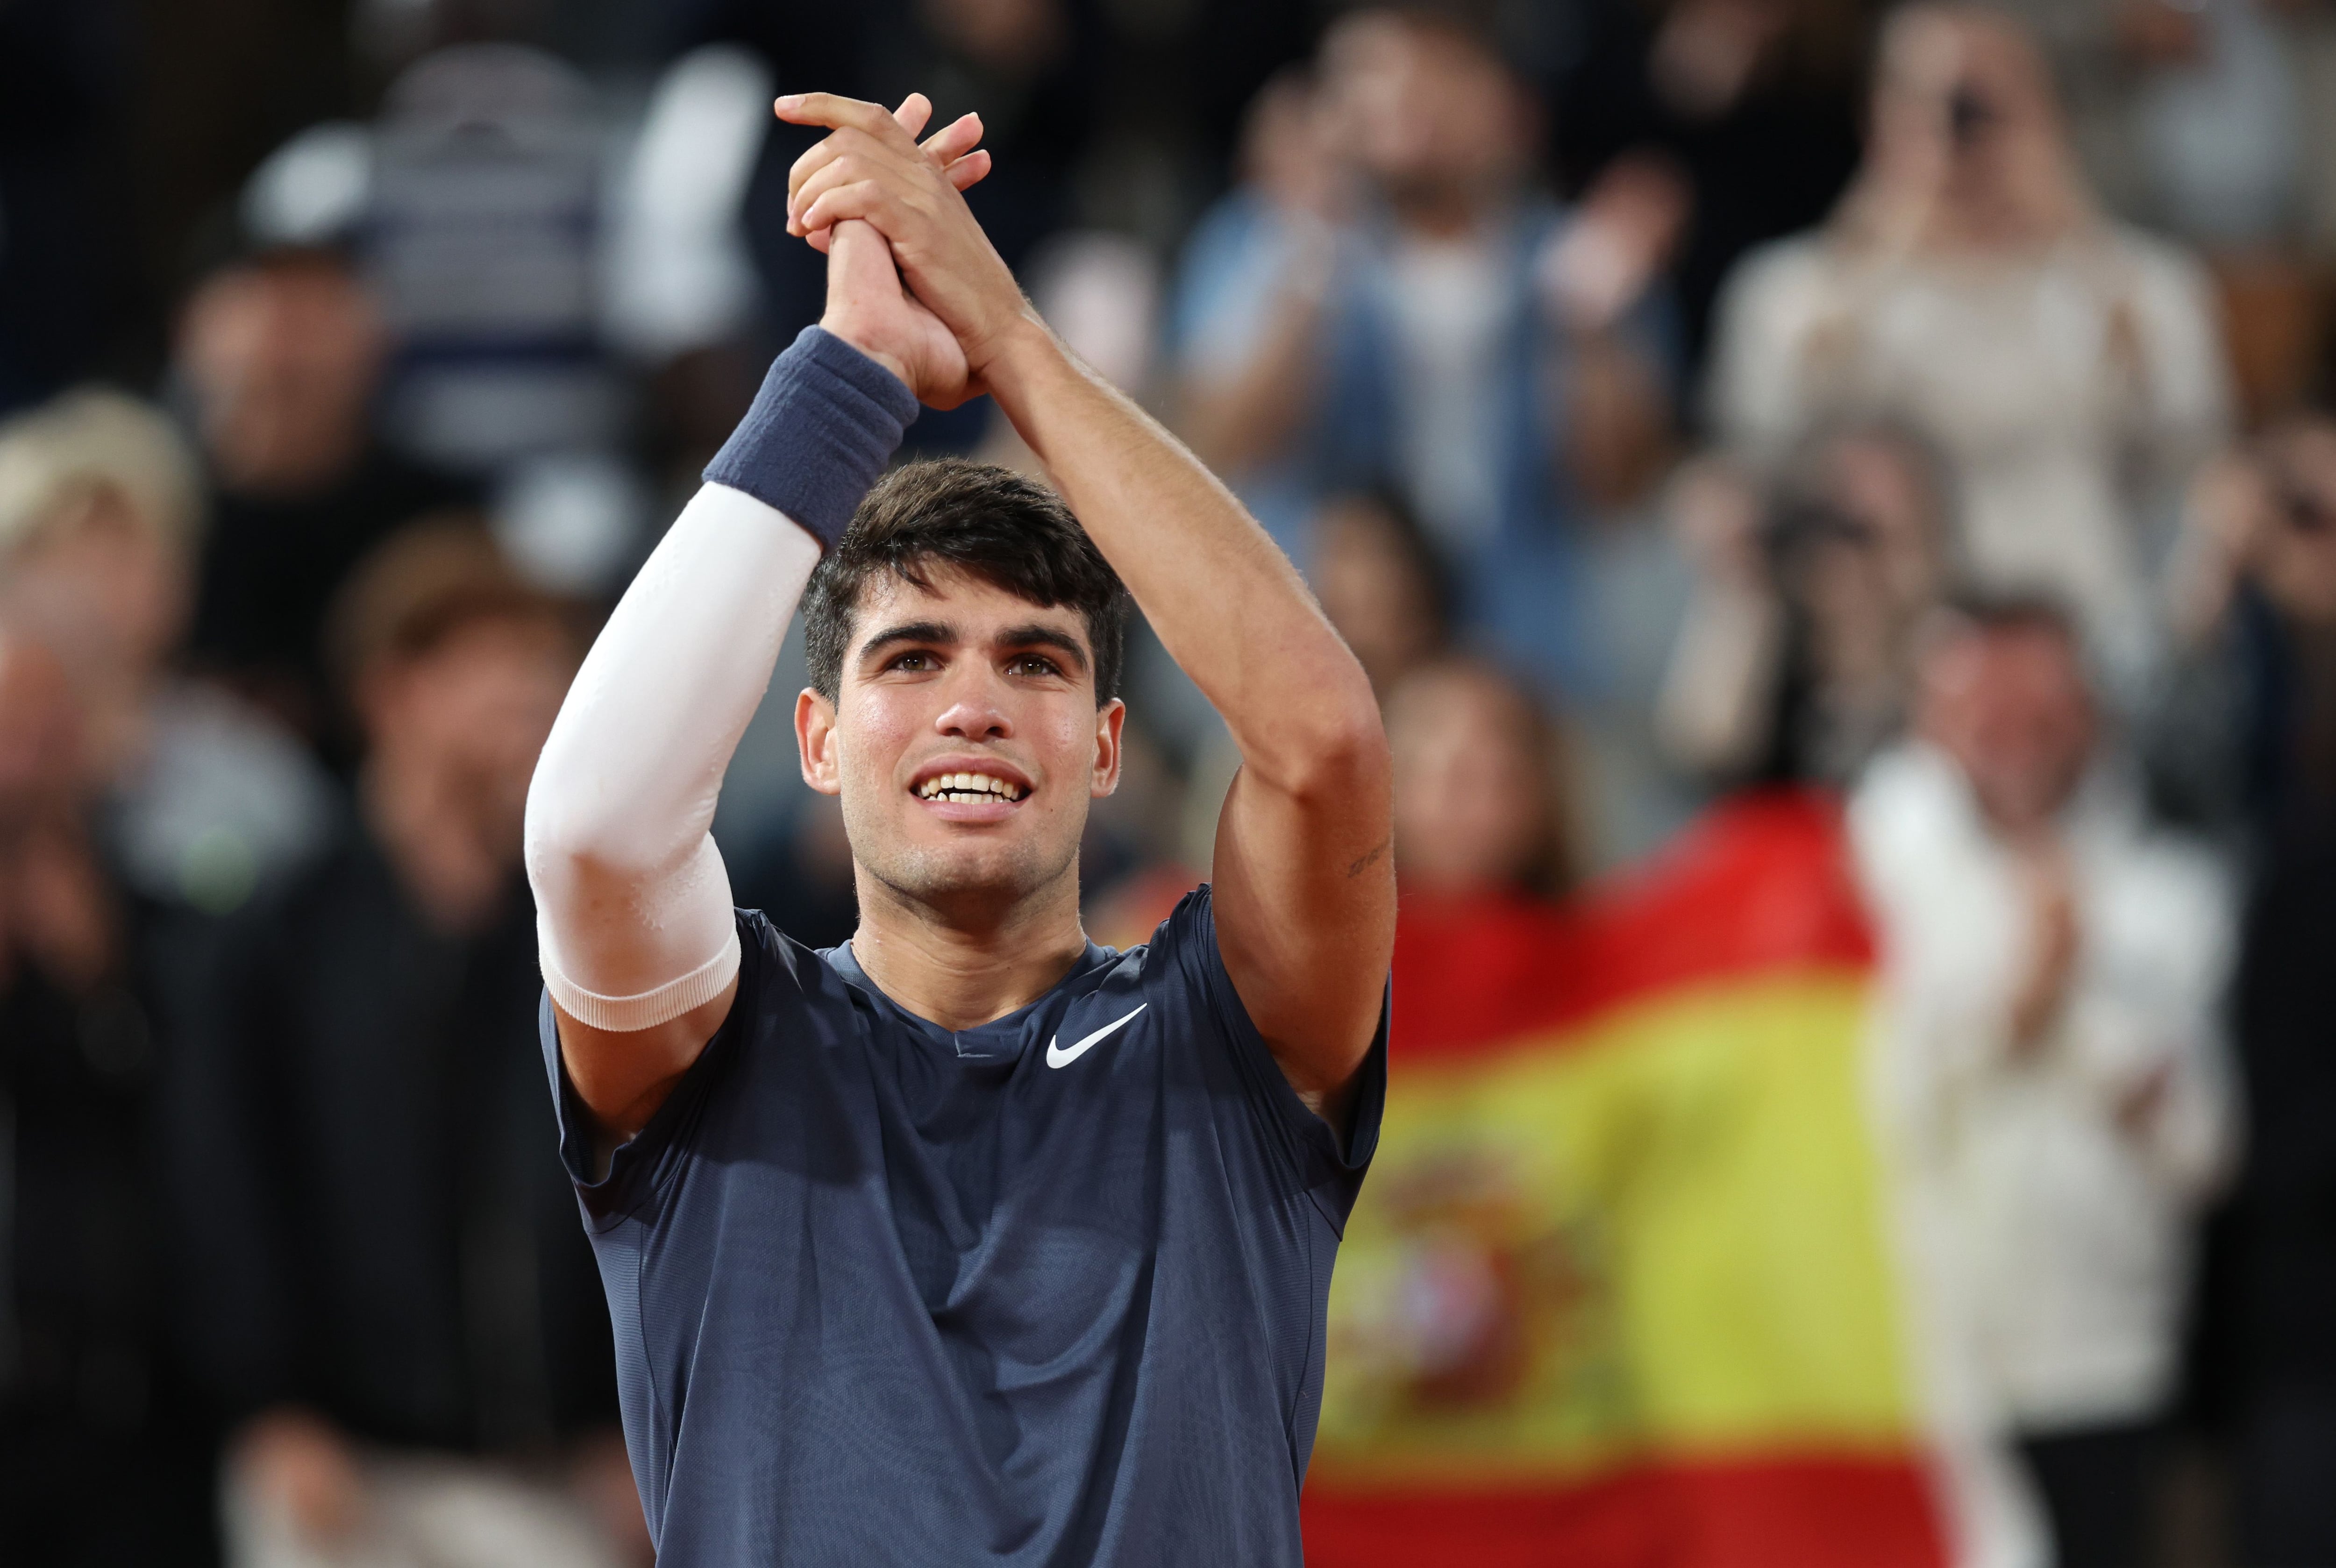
[{"x": 959, "y": 968}]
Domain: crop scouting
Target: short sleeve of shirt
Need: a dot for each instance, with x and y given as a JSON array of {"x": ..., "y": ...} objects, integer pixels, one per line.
[
  {"x": 1330, "y": 1167},
  {"x": 638, "y": 1167}
]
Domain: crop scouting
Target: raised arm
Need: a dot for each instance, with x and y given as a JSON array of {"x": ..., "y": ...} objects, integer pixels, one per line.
[
  {"x": 1304, "y": 880},
  {"x": 639, "y": 942}
]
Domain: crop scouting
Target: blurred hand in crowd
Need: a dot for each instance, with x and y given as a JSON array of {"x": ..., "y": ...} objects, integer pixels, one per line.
[
  {"x": 282, "y": 358},
  {"x": 600, "y": 1474},
  {"x": 1849, "y": 549},
  {"x": 1476, "y": 803},
  {"x": 2010, "y": 706},
  {"x": 55, "y": 912},
  {"x": 1249, "y": 411},
  {"x": 1967, "y": 148},
  {"x": 1706, "y": 53},
  {"x": 1871, "y": 563},
  {"x": 300, "y": 1466},
  {"x": 2056, "y": 937},
  {"x": 2265, "y": 513},
  {"x": 1290, "y": 153},
  {"x": 2159, "y": 34},
  {"x": 1624, "y": 232},
  {"x": 1011, "y": 39}
]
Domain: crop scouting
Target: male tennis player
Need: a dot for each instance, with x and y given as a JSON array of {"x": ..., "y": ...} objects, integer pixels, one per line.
[{"x": 967, "y": 1241}]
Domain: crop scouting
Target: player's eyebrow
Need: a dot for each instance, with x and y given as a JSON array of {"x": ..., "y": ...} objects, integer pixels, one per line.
[
  {"x": 938, "y": 634},
  {"x": 1035, "y": 636}
]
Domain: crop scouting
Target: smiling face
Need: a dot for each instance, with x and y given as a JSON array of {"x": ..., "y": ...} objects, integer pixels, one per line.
[
  {"x": 964, "y": 740},
  {"x": 2010, "y": 705}
]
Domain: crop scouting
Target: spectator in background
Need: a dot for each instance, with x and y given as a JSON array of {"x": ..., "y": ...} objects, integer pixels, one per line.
[
  {"x": 103, "y": 1459},
  {"x": 418, "y": 1361},
  {"x": 1795, "y": 658},
  {"x": 1754, "y": 101},
  {"x": 2186, "y": 115},
  {"x": 2257, "y": 604},
  {"x": 2069, "y": 369},
  {"x": 1381, "y": 585},
  {"x": 2199, "y": 117},
  {"x": 280, "y": 355},
  {"x": 1479, "y": 815},
  {"x": 1388, "y": 300},
  {"x": 2051, "y": 1067},
  {"x": 100, "y": 520}
]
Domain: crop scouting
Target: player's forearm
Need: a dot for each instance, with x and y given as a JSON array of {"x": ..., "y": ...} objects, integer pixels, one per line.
[
  {"x": 1225, "y": 601},
  {"x": 631, "y": 891},
  {"x": 633, "y": 898}
]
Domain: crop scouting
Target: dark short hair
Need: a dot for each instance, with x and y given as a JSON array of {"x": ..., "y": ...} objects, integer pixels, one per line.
[
  {"x": 1006, "y": 529},
  {"x": 432, "y": 579}
]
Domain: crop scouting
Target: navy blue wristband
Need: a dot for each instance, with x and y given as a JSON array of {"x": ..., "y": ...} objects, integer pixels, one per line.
[{"x": 827, "y": 421}]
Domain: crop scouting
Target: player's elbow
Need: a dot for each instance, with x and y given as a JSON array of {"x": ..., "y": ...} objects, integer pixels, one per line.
[
  {"x": 571, "y": 850},
  {"x": 1337, "y": 749}
]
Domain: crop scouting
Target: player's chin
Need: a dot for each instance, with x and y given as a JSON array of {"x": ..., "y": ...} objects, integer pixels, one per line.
[{"x": 961, "y": 864}]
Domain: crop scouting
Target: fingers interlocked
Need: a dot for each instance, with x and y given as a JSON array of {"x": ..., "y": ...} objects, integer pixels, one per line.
[{"x": 869, "y": 148}]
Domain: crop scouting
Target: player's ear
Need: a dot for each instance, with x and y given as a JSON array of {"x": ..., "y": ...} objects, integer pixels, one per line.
[
  {"x": 1109, "y": 720},
  {"x": 815, "y": 740}
]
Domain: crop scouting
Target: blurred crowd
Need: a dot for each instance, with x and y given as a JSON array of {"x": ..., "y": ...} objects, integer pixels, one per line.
[{"x": 1928, "y": 406}]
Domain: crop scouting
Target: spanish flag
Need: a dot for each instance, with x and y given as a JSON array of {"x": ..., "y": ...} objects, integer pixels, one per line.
[{"x": 1620, "y": 1291}]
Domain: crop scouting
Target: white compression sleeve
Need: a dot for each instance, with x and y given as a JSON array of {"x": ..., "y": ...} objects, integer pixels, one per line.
[{"x": 633, "y": 902}]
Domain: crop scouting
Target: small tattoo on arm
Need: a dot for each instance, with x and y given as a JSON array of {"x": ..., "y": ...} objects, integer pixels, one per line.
[{"x": 1370, "y": 860}]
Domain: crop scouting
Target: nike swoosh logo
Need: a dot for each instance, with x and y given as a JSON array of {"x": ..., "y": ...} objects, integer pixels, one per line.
[{"x": 1057, "y": 1057}]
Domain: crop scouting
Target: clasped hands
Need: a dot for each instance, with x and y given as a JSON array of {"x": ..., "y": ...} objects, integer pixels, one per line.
[{"x": 912, "y": 281}]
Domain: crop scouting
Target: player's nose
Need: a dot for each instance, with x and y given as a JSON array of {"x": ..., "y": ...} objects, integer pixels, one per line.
[{"x": 975, "y": 711}]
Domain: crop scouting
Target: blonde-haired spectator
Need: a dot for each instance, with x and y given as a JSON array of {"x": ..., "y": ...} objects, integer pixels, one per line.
[
  {"x": 2069, "y": 369},
  {"x": 100, "y": 520}
]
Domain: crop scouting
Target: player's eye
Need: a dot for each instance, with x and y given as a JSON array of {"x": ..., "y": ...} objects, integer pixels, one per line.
[
  {"x": 1034, "y": 664},
  {"x": 916, "y": 661}
]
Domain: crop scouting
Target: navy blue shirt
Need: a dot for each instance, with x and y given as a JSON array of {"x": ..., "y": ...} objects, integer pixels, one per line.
[{"x": 1050, "y": 1290}]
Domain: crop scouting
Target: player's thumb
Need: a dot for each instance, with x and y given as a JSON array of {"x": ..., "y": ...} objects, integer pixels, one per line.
[{"x": 860, "y": 264}]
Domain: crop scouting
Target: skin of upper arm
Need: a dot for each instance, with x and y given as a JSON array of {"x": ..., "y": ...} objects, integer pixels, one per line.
[
  {"x": 623, "y": 1077},
  {"x": 1304, "y": 895}
]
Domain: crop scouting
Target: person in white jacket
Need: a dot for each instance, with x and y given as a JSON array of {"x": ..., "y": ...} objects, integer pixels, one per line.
[{"x": 2050, "y": 1065}]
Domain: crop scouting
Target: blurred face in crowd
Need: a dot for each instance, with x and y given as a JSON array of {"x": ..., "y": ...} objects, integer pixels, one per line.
[
  {"x": 282, "y": 360},
  {"x": 474, "y": 707},
  {"x": 1473, "y": 812},
  {"x": 104, "y": 587},
  {"x": 1372, "y": 588},
  {"x": 2294, "y": 546},
  {"x": 2010, "y": 705},
  {"x": 1427, "y": 112},
  {"x": 1965, "y": 118},
  {"x": 964, "y": 740},
  {"x": 1866, "y": 562},
  {"x": 40, "y": 741}
]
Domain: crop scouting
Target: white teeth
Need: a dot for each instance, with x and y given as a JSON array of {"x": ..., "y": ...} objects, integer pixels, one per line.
[{"x": 973, "y": 787}]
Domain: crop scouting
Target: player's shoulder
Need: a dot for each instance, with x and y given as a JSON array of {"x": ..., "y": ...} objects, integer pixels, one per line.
[
  {"x": 777, "y": 972},
  {"x": 1188, "y": 932}
]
